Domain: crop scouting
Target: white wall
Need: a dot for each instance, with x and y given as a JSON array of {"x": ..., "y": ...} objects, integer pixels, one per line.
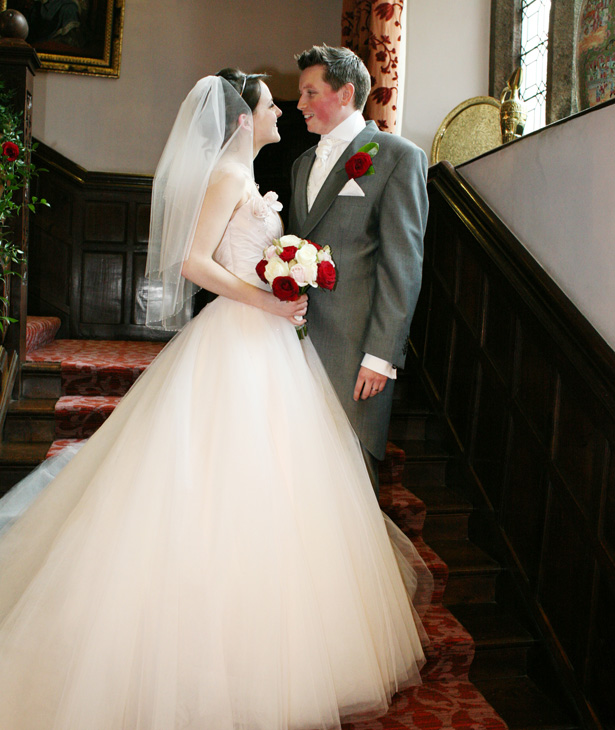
[
  {"x": 555, "y": 191},
  {"x": 120, "y": 125},
  {"x": 447, "y": 62}
]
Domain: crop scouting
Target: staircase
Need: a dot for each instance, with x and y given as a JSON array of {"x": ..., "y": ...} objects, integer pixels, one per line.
[{"x": 479, "y": 648}]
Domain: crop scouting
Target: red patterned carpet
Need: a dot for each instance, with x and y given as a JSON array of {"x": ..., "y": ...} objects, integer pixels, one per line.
[{"x": 95, "y": 374}]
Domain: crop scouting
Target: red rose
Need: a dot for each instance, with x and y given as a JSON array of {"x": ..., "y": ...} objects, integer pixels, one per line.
[
  {"x": 260, "y": 270},
  {"x": 288, "y": 253},
  {"x": 326, "y": 275},
  {"x": 10, "y": 150},
  {"x": 285, "y": 288},
  {"x": 358, "y": 165}
]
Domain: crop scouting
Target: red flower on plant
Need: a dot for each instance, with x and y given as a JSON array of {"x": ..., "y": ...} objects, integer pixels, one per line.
[
  {"x": 260, "y": 270},
  {"x": 285, "y": 288},
  {"x": 358, "y": 165},
  {"x": 288, "y": 253},
  {"x": 326, "y": 275},
  {"x": 10, "y": 150}
]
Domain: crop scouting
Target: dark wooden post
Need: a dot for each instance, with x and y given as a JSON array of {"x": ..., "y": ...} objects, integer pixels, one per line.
[{"x": 18, "y": 64}]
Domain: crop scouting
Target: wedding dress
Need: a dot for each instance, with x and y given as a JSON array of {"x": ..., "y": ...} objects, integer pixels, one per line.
[{"x": 214, "y": 558}]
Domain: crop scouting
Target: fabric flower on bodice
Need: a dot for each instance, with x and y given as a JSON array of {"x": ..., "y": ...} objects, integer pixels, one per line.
[{"x": 262, "y": 206}]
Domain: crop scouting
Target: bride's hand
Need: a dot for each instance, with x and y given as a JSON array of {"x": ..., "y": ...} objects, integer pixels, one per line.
[{"x": 289, "y": 310}]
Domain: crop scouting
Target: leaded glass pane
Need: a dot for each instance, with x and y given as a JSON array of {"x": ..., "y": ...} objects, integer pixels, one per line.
[{"x": 534, "y": 49}]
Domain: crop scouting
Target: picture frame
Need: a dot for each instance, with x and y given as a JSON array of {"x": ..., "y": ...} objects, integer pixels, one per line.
[{"x": 75, "y": 36}]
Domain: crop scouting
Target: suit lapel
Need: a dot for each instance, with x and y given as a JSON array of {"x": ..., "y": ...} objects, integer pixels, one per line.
[
  {"x": 301, "y": 186},
  {"x": 335, "y": 181}
]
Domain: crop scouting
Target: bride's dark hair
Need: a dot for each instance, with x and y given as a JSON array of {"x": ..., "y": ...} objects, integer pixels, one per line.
[{"x": 246, "y": 85}]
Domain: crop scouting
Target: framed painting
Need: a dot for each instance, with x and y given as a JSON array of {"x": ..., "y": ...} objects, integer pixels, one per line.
[{"x": 75, "y": 36}]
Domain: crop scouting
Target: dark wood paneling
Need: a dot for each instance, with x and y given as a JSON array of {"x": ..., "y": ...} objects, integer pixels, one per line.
[
  {"x": 105, "y": 222},
  {"x": 102, "y": 277},
  {"x": 525, "y": 499},
  {"x": 490, "y": 440},
  {"x": 527, "y": 387},
  {"x": 500, "y": 327},
  {"x": 601, "y": 660},
  {"x": 566, "y": 581}
]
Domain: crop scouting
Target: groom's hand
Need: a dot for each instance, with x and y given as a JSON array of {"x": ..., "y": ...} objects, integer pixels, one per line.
[{"x": 369, "y": 384}]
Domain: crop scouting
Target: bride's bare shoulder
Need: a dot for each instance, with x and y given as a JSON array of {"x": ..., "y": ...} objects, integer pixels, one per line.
[{"x": 233, "y": 172}]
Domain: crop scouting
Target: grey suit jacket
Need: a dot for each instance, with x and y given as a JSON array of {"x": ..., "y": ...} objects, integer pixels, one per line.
[{"x": 377, "y": 245}]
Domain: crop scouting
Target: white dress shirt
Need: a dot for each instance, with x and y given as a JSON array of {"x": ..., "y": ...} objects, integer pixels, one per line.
[{"x": 341, "y": 137}]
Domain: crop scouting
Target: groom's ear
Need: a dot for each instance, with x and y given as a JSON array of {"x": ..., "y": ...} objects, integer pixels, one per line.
[{"x": 346, "y": 94}]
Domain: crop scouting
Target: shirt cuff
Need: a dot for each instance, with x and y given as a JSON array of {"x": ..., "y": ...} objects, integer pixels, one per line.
[{"x": 379, "y": 366}]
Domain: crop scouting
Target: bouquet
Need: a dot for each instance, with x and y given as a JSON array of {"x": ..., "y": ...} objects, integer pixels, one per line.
[{"x": 290, "y": 265}]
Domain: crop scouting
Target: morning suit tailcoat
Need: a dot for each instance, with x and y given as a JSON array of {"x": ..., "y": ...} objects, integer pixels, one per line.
[{"x": 377, "y": 246}]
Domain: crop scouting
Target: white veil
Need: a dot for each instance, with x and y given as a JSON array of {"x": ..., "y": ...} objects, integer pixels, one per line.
[{"x": 213, "y": 128}]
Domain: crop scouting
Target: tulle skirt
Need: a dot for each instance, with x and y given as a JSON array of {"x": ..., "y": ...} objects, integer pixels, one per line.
[{"x": 214, "y": 558}]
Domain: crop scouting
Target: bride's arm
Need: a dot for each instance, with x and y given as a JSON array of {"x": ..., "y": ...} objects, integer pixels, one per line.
[{"x": 222, "y": 198}]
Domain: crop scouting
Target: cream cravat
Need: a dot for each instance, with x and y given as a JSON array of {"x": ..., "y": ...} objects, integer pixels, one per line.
[{"x": 320, "y": 168}]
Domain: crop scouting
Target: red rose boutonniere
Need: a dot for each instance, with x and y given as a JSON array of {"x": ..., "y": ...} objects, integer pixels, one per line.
[{"x": 361, "y": 162}]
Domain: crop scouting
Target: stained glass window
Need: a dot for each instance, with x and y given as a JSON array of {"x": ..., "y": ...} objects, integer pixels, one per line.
[{"x": 534, "y": 49}]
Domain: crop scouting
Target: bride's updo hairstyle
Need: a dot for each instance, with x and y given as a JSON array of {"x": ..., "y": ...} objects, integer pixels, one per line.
[{"x": 246, "y": 85}]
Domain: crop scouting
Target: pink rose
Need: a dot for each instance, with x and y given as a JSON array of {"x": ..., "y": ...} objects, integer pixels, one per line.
[{"x": 270, "y": 252}]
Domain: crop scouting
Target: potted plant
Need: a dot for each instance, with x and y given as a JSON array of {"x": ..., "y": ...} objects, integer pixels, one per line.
[{"x": 16, "y": 172}]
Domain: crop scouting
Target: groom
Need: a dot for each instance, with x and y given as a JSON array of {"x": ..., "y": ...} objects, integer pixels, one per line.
[{"x": 374, "y": 224}]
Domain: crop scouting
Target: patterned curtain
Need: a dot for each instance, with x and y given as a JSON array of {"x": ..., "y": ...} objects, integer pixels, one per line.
[{"x": 372, "y": 29}]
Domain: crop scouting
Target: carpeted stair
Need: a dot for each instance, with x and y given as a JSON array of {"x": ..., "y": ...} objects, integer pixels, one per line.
[{"x": 88, "y": 379}]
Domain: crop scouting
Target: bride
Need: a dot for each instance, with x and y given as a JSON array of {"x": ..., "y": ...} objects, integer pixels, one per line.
[{"x": 214, "y": 558}]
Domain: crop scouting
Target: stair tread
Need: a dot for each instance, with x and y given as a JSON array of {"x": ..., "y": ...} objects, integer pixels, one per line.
[
  {"x": 33, "y": 407},
  {"x": 463, "y": 556},
  {"x": 523, "y": 705},
  {"x": 441, "y": 499},
  {"x": 23, "y": 453},
  {"x": 491, "y": 626}
]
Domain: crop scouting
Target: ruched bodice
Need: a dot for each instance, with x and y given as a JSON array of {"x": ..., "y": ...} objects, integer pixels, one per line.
[{"x": 250, "y": 230}]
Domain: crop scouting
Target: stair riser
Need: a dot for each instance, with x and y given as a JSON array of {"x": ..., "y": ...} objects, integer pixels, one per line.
[
  {"x": 79, "y": 426},
  {"x": 499, "y": 662},
  {"x": 404, "y": 427},
  {"x": 10, "y": 475},
  {"x": 427, "y": 473},
  {"x": 470, "y": 588},
  {"x": 29, "y": 429},
  {"x": 41, "y": 385},
  {"x": 445, "y": 527}
]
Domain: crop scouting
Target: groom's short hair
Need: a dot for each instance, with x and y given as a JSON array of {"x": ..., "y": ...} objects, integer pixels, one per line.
[{"x": 342, "y": 66}]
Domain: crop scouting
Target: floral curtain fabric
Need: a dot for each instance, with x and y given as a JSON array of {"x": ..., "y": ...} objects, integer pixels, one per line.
[{"x": 372, "y": 29}]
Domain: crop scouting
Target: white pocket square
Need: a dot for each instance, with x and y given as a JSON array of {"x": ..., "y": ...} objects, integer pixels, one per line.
[{"x": 352, "y": 188}]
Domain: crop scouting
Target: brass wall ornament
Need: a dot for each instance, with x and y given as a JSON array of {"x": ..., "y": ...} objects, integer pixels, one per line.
[
  {"x": 512, "y": 110},
  {"x": 75, "y": 36},
  {"x": 472, "y": 128}
]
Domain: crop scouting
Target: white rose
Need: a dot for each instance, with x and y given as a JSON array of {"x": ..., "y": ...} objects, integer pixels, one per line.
[
  {"x": 276, "y": 267},
  {"x": 270, "y": 251},
  {"x": 325, "y": 255},
  {"x": 289, "y": 240},
  {"x": 311, "y": 272},
  {"x": 307, "y": 254}
]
